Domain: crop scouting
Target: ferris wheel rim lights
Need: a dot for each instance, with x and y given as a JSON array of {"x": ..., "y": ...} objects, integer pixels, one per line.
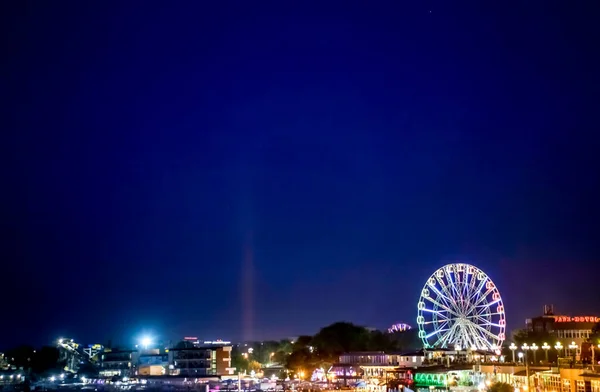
[{"x": 460, "y": 306}]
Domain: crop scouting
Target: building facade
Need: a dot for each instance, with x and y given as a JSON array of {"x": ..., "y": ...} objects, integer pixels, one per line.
[
  {"x": 118, "y": 363},
  {"x": 565, "y": 329},
  {"x": 200, "y": 361}
]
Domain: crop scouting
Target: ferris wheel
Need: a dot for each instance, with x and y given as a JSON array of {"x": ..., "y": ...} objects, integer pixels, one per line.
[{"x": 460, "y": 307}]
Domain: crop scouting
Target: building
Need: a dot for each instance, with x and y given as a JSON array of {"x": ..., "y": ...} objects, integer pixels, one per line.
[
  {"x": 381, "y": 360},
  {"x": 118, "y": 363},
  {"x": 153, "y": 362},
  {"x": 214, "y": 360},
  {"x": 565, "y": 329},
  {"x": 543, "y": 379}
]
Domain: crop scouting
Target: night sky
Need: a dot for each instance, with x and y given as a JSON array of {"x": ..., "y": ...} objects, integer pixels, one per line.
[{"x": 254, "y": 169}]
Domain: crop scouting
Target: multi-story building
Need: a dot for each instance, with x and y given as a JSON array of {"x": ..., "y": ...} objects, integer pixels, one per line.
[
  {"x": 153, "y": 363},
  {"x": 201, "y": 361},
  {"x": 566, "y": 329},
  {"x": 572, "y": 379},
  {"x": 186, "y": 361},
  {"x": 118, "y": 363}
]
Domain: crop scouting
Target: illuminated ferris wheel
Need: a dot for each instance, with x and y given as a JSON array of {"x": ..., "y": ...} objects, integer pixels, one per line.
[{"x": 460, "y": 307}]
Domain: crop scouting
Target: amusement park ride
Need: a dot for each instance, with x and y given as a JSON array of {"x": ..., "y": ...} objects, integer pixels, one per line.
[
  {"x": 74, "y": 355},
  {"x": 461, "y": 308}
]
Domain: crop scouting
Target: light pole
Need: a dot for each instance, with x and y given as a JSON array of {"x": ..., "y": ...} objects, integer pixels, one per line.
[
  {"x": 546, "y": 347},
  {"x": 512, "y": 348},
  {"x": 525, "y": 347},
  {"x": 534, "y": 347},
  {"x": 573, "y": 347},
  {"x": 558, "y": 346}
]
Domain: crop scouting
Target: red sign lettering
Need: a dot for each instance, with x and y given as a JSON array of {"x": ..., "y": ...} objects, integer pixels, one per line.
[{"x": 577, "y": 319}]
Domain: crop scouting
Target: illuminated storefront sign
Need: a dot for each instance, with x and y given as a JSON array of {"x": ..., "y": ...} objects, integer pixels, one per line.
[{"x": 578, "y": 319}]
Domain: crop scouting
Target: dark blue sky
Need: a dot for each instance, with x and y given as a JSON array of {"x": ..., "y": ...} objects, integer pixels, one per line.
[{"x": 261, "y": 169}]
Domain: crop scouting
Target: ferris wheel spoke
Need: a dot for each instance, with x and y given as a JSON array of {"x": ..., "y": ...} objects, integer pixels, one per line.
[
  {"x": 446, "y": 296},
  {"x": 485, "y": 331},
  {"x": 479, "y": 340},
  {"x": 484, "y": 296},
  {"x": 438, "y": 303},
  {"x": 483, "y": 315},
  {"x": 441, "y": 337},
  {"x": 441, "y": 306},
  {"x": 441, "y": 342},
  {"x": 476, "y": 292},
  {"x": 452, "y": 284},
  {"x": 436, "y": 313},
  {"x": 480, "y": 307},
  {"x": 437, "y": 332}
]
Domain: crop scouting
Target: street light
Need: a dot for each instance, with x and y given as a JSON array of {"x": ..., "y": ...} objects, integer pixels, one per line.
[
  {"x": 525, "y": 348},
  {"x": 558, "y": 346},
  {"x": 546, "y": 347},
  {"x": 512, "y": 348},
  {"x": 534, "y": 347},
  {"x": 573, "y": 347}
]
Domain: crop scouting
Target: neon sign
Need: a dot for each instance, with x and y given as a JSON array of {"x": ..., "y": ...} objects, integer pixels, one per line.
[{"x": 578, "y": 319}]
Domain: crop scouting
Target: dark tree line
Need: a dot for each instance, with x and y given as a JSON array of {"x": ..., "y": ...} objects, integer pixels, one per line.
[
  {"x": 323, "y": 349},
  {"x": 37, "y": 361}
]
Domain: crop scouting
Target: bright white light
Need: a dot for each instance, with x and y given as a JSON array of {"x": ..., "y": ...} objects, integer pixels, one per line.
[
  {"x": 62, "y": 375},
  {"x": 52, "y": 378},
  {"x": 481, "y": 386},
  {"x": 83, "y": 379},
  {"x": 146, "y": 341}
]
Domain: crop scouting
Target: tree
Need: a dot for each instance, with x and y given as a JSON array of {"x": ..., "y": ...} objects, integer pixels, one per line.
[
  {"x": 264, "y": 352},
  {"x": 595, "y": 336},
  {"x": 254, "y": 366},
  {"x": 46, "y": 358},
  {"x": 20, "y": 356},
  {"x": 501, "y": 387},
  {"x": 302, "y": 359},
  {"x": 239, "y": 362},
  {"x": 406, "y": 340},
  {"x": 339, "y": 338}
]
